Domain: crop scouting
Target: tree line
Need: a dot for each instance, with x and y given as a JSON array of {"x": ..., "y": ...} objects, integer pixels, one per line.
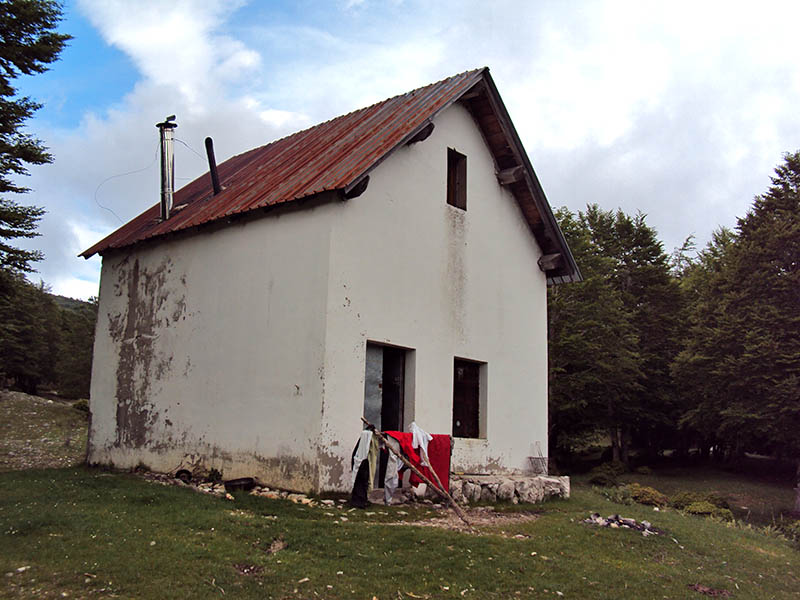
[
  {"x": 46, "y": 341},
  {"x": 693, "y": 351},
  {"x": 42, "y": 343},
  {"x": 698, "y": 350}
]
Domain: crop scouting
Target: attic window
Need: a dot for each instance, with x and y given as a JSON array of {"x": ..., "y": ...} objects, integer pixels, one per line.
[{"x": 456, "y": 179}]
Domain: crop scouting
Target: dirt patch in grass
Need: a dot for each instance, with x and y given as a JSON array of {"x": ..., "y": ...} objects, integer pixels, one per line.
[
  {"x": 484, "y": 520},
  {"x": 38, "y": 433},
  {"x": 708, "y": 591},
  {"x": 247, "y": 569}
]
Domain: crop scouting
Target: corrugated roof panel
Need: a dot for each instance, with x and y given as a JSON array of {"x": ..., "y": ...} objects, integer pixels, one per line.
[
  {"x": 329, "y": 156},
  {"x": 337, "y": 154}
]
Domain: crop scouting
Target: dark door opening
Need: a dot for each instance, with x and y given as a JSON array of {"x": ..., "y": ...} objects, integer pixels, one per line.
[{"x": 384, "y": 392}]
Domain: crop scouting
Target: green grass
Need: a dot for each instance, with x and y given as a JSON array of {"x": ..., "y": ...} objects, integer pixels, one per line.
[
  {"x": 36, "y": 432},
  {"x": 90, "y": 533}
]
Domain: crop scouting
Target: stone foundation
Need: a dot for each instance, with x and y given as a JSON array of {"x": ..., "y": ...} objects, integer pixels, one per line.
[{"x": 467, "y": 489}]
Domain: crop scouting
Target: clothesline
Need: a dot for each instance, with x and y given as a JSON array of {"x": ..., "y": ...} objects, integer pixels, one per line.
[{"x": 398, "y": 453}]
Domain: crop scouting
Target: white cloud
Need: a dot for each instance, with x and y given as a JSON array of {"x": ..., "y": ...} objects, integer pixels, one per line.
[
  {"x": 680, "y": 109},
  {"x": 177, "y": 43}
]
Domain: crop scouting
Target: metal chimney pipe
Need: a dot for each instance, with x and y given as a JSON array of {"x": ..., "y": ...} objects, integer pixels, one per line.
[
  {"x": 167, "y": 165},
  {"x": 212, "y": 166}
]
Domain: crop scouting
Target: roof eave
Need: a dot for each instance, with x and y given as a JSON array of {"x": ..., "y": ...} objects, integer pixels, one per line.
[{"x": 573, "y": 273}]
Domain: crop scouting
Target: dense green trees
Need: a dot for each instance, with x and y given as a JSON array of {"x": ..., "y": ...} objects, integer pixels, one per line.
[
  {"x": 594, "y": 362},
  {"x": 613, "y": 337},
  {"x": 741, "y": 362},
  {"x": 43, "y": 343},
  {"x": 39, "y": 342},
  {"x": 715, "y": 341},
  {"x": 28, "y": 44}
]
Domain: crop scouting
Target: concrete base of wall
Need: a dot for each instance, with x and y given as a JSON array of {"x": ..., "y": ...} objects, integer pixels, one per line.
[{"x": 507, "y": 488}]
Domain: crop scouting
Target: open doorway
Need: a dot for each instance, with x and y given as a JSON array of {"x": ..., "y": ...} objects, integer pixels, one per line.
[{"x": 387, "y": 396}]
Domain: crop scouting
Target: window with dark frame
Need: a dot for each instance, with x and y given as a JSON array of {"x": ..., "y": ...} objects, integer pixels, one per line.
[
  {"x": 466, "y": 398},
  {"x": 456, "y": 179}
]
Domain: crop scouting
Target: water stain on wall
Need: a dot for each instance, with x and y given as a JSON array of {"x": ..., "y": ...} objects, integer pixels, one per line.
[
  {"x": 135, "y": 331},
  {"x": 456, "y": 271}
]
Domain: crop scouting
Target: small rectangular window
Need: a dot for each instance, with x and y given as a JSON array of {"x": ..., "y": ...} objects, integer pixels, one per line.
[
  {"x": 467, "y": 398},
  {"x": 456, "y": 179}
]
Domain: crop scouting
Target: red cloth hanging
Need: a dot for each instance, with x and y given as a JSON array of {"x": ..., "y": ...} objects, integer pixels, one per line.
[
  {"x": 439, "y": 456},
  {"x": 405, "y": 444}
]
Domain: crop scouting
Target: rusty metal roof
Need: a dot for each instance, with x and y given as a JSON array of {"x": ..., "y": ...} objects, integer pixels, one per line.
[{"x": 336, "y": 156}]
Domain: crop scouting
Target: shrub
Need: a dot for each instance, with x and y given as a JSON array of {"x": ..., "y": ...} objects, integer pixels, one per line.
[
  {"x": 603, "y": 479},
  {"x": 647, "y": 495},
  {"x": 705, "y": 508},
  {"x": 723, "y": 513},
  {"x": 616, "y": 467},
  {"x": 683, "y": 499},
  {"x": 792, "y": 530},
  {"x": 620, "y": 495},
  {"x": 717, "y": 500},
  {"x": 81, "y": 405},
  {"x": 606, "y": 474},
  {"x": 701, "y": 507}
]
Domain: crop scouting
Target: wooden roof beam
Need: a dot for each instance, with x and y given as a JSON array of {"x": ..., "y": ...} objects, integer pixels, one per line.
[{"x": 512, "y": 175}]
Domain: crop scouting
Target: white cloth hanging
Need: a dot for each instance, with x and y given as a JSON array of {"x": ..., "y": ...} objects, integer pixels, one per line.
[
  {"x": 420, "y": 439},
  {"x": 362, "y": 452},
  {"x": 393, "y": 464}
]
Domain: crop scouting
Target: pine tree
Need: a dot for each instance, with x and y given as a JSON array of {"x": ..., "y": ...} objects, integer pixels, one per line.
[
  {"x": 30, "y": 335},
  {"x": 74, "y": 365},
  {"x": 28, "y": 44}
]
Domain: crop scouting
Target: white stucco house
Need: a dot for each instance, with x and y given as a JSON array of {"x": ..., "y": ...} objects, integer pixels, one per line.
[{"x": 392, "y": 262}]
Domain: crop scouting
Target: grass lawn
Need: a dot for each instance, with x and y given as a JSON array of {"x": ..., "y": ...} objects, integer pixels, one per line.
[{"x": 88, "y": 533}]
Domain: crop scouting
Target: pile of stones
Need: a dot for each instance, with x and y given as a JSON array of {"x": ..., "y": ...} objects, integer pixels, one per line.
[
  {"x": 616, "y": 522},
  {"x": 490, "y": 489}
]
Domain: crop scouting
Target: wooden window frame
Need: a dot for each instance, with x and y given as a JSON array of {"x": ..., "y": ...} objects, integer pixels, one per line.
[
  {"x": 469, "y": 399},
  {"x": 456, "y": 179}
]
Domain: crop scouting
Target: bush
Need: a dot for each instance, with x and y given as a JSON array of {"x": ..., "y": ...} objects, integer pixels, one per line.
[
  {"x": 723, "y": 513},
  {"x": 792, "y": 531},
  {"x": 647, "y": 495},
  {"x": 620, "y": 495},
  {"x": 606, "y": 474},
  {"x": 704, "y": 508},
  {"x": 683, "y": 499},
  {"x": 81, "y": 405}
]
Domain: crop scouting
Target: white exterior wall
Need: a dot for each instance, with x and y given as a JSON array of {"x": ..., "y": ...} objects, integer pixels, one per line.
[
  {"x": 409, "y": 270},
  {"x": 218, "y": 339},
  {"x": 243, "y": 348}
]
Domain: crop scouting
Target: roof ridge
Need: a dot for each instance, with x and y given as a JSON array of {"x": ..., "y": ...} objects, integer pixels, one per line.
[
  {"x": 357, "y": 110},
  {"x": 321, "y": 157}
]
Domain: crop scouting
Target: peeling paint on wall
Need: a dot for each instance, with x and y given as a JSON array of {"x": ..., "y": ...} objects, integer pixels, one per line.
[{"x": 135, "y": 331}]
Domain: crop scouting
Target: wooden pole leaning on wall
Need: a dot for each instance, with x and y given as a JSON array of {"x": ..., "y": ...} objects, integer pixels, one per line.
[{"x": 441, "y": 491}]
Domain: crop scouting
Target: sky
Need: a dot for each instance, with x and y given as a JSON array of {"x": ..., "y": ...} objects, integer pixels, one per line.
[{"x": 680, "y": 110}]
